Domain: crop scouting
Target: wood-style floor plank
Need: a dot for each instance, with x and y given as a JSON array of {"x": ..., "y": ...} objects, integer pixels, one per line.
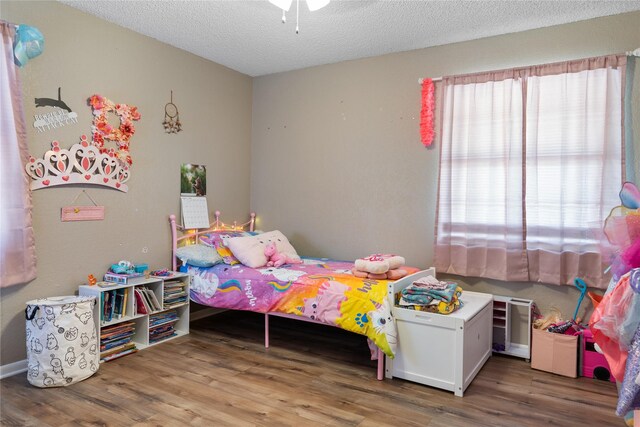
[{"x": 221, "y": 375}]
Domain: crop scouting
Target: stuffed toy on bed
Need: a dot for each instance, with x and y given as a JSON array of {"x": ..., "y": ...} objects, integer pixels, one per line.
[
  {"x": 379, "y": 263},
  {"x": 275, "y": 258},
  {"x": 380, "y": 267}
]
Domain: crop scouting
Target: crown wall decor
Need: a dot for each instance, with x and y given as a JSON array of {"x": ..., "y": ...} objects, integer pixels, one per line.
[
  {"x": 83, "y": 163},
  {"x": 90, "y": 161}
]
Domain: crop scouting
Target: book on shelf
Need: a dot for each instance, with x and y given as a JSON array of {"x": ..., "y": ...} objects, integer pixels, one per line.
[
  {"x": 117, "y": 327},
  {"x": 141, "y": 304},
  {"x": 119, "y": 354},
  {"x": 113, "y": 304},
  {"x": 153, "y": 299},
  {"x": 125, "y": 279},
  {"x": 163, "y": 318},
  {"x": 115, "y": 340},
  {"x": 118, "y": 349},
  {"x": 119, "y": 303},
  {"x": 103, "y": 298},
  {"x": 174, "y": 304},
  {"x": 161, "y": 333},
  {"x": 116, "y": 336},
  {"x": 147, "y": 300},
  {"x": 174, "y": 283},
  {"x": 107, "y": 303},
  {"x": 113, "y": 344}
]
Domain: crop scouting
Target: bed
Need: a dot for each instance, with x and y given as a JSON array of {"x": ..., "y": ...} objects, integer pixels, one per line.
[{"x": 318, "y": 290}]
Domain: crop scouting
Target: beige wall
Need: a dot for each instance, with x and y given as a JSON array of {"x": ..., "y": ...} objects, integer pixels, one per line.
[
  {"x": 337, "y": 163},
  {"x": 85, "y": 55}
]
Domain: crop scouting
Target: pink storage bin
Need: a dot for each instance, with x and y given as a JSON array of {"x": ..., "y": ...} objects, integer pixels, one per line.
[{"x": 557, "y": 353}]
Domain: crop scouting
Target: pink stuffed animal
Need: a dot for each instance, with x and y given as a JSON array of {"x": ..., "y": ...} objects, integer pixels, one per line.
[{"x": 275, "y": 258}]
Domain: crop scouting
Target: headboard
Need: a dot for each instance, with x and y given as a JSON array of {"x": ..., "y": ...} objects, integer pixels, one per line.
[{"x": 188, "y": 234}]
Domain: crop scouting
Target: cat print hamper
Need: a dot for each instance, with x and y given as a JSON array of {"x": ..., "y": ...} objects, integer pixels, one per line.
[{"x": 62, "y": 344}]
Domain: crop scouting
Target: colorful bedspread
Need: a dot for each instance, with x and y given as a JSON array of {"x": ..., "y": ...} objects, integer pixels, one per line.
[{"x": 321, "y": 289}]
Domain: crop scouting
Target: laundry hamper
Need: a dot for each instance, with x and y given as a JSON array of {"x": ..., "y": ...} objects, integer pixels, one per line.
[{"x": 62, "y": 344}]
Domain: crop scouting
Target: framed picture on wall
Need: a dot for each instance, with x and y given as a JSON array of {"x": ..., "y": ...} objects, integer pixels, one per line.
[{"x": 193, "y": 180}]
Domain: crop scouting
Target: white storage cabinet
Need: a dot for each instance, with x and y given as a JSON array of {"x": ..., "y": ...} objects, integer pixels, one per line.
[{"x": 443, "y": 351}]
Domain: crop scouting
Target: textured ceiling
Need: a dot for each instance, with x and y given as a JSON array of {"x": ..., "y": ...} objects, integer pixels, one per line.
[{"x": 248, "y": 36}]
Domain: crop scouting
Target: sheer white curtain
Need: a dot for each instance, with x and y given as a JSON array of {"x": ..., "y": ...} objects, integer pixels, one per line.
[
  {"x": 480, "y": 210},
  {"x": 531, "y": 163},
  {"x": 17, "y": 248},
  {"x": 574, "y": 165}
]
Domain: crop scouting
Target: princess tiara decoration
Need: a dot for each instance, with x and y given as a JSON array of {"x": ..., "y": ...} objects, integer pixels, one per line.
[{"x": 83, "y": 163}]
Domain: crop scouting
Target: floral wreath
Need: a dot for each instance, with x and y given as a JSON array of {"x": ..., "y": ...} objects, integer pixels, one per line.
[{"x": 101, "y": 130}]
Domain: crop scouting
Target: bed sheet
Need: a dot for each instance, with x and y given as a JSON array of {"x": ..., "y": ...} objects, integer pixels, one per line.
[{"x": 321, "y": 289}]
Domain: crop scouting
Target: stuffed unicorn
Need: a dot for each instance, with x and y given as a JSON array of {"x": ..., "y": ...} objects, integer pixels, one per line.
[{"x": 275, "y": 258}]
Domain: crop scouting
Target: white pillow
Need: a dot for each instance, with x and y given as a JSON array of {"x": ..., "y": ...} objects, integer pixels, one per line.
[{"x": 250, "y": 250}]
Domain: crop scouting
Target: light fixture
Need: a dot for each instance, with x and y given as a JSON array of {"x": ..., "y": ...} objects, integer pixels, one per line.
[
  {"x": 285, "y": 5},
  {"x": 314, "y": 5}
]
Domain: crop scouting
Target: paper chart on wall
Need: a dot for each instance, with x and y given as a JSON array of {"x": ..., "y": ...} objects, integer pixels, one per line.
[{"x": 195, "y": 213}]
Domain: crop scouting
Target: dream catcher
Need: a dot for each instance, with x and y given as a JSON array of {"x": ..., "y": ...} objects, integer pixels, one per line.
[{"x": 171, "y": 121}]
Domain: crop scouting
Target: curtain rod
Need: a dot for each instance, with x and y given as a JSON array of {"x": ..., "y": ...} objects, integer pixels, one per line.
[
  {"x": 435, "y": 79},
  {"x": 628, "y": 53},
  {"x": 10, "y": 23}
]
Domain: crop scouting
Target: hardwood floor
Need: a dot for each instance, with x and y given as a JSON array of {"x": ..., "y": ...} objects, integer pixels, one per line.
[{"x": 221, "y": 375}]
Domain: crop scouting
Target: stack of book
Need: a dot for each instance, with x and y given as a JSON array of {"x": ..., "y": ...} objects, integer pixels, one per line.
[
  {"x": 146, "y": 300},
  {"x": 125, "y": 279},
  {"x": 162, "y": 326},
  {"x": 113, "y": 304},
  {"x": 175, "y": 293},
  {"x": 115, "y": 341}
]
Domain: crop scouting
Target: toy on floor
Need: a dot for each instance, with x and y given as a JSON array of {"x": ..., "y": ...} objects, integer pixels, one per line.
[
  {"x": 582, "y": 287},
  {"x": 594, "y": 364}
]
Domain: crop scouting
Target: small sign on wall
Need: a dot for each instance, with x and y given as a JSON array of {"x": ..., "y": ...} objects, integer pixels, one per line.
[
  {"x": 60, "y": 116},
  {"x": 82, "y": 213}
]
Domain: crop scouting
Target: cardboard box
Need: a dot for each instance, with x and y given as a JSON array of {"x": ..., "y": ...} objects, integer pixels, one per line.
[{"x": 557, "y": 353}]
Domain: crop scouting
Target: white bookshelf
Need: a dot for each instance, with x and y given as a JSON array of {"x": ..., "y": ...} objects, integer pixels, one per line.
[
  {"x": 503, "y": 315},
  {"x": 141, "y": 336}
]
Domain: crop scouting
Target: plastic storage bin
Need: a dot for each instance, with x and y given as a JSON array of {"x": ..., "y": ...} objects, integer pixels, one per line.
[{"x": 62, "y": 344}]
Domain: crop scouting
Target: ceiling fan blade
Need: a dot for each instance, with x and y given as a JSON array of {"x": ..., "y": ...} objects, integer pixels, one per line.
[
  {"x": 282, "y": 4},
  {"x": 314, "y": 5}
]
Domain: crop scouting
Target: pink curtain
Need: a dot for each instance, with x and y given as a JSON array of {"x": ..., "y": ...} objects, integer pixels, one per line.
[
  {"x": 17, "y": 247},
  {"x": 531, "y": 164}
]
